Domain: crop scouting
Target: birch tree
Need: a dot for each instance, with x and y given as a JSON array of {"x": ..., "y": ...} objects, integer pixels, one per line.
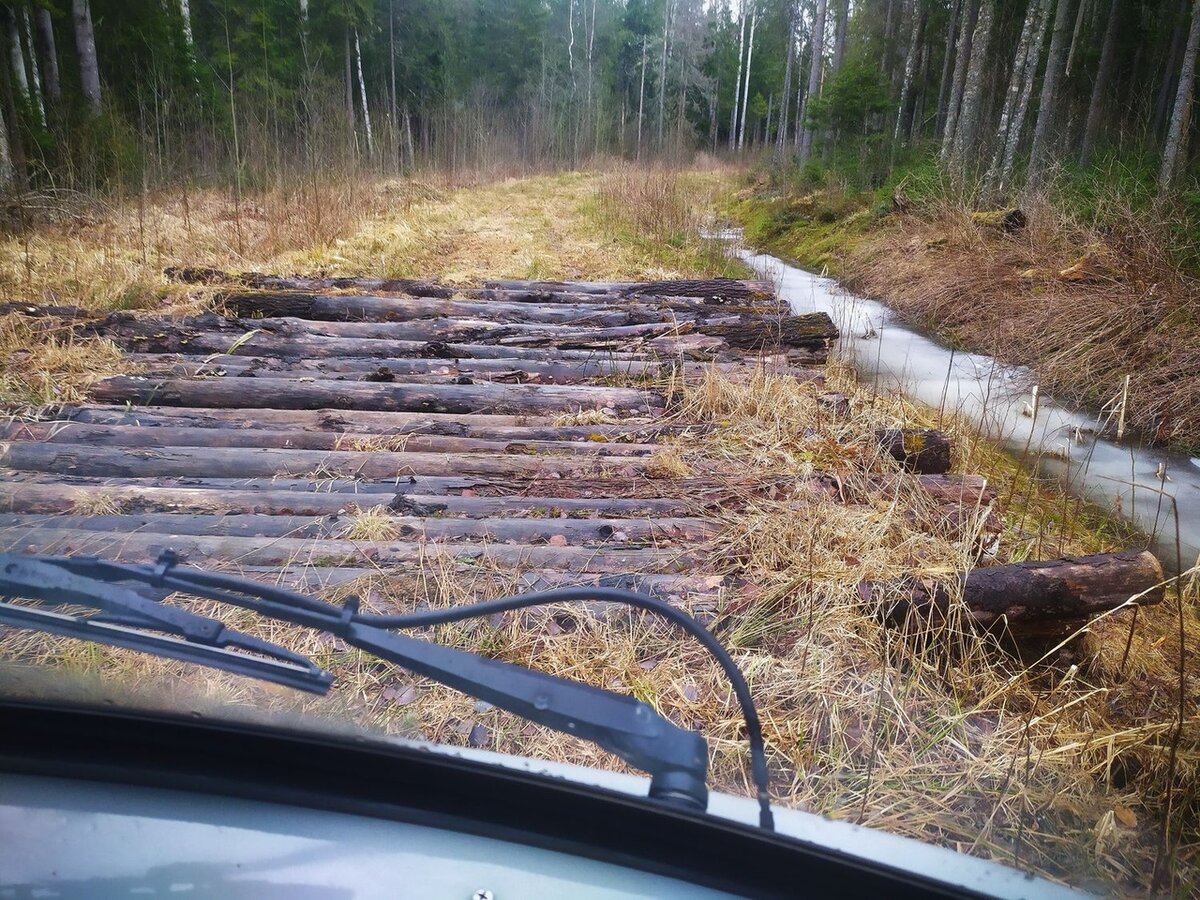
[
  {"x": 962, "y": 61},
  {"x": 1181, "y": 112},
  {"x": 362, "y": 93},
  {"x": 1016, "y": 100},
  {"x": 737, "y": 85},
  {"x": 746, "y": 89},
  {"x": 44, "y": 26},
  {"x": 905, "y": 111},
  {"x": 968, "y": 122}
]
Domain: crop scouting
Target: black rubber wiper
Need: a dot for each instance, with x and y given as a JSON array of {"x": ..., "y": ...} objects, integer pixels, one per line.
[{"x": 676, "y": 759}]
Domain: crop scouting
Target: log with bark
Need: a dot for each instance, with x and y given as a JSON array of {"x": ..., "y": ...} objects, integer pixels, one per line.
[
  {"x": 204, "y": 275},
  {"x": 305, "y": 499},
  {"x": 611, "y": 533},
  {"x": 202, "y": 550},
  {"x": 286, "y": 393},
  {"x": 183, "y": 436},
  {"x": 492, "y": 427},
  {"x": 1028, "y": 596},
  {"x": 922, "y": 450},
  {"x": 232, "y": 462}
]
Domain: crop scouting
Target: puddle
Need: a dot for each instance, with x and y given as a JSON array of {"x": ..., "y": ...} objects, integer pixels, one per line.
[{"x": 1145, "y": 485}]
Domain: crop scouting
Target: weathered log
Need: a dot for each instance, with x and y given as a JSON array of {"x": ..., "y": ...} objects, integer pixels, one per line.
[
  {"x": 362, "y": 307},
  {"x": 922, "y": 450},
  {"x": 252, "y": 551},
  {"x": 297, "y": 498},
  {"x": 758, "y": 333},
  {"x": 203, "y": 275},
  {"x": 434, "y": 371},
  {"x": 129, "y": 462},
  {"x": 676, "y": 588},
  {"x": 729, "y": 288},
  {"x": 493, "y": 427},
  {"x": 573, "y": 532},
  {"x": 212, "y": 334},
  {"x": 284, "y": 393},
  {"x": 1006, "y": 220},
  {"x": 1029, "y": 595},
  {"x": 170, "y": 436}
]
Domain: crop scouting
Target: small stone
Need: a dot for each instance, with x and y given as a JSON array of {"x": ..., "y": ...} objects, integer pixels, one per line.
[
  {"x": 480, "y": 736},
  {"x": 648, "y": 664},
  {"x": 558, "y": 540}
]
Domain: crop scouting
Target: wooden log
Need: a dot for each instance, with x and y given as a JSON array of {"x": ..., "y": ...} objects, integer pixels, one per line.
[
  {"x": 759, "y": 333},
  {"x": 492, "y": 427},
  {"x": 252, "y": 551},
  {"x": 728, "y": 288},
  {"x": 284, "y": 393},
  {"x": 212, "y": 334},
  {"x": 922, "y": 450},
  {"x": 1029, "y": 595},
  {"x": 307, "y": 499},
  {"x": 574, "y": 532},
  {"x": 129, "y": 462},
  {"x": 171, "y": 436},
  {"x": 418, "y": 371},
  {"x": 204, "y": 275}
]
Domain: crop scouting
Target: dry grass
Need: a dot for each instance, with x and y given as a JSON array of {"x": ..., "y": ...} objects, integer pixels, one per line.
[
  {"x": 1058, "y": 764},
  {"x": 1083, "y": 306},
  {"x": 43, "y": 363}
]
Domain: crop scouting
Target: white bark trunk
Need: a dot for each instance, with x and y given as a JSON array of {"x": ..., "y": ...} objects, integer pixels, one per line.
[
  {"x": 641, "y": 99},
  {"x": 746, "y": 89},
  {"x": 962, "y": 62},
  {"x": 910, "y": 66},
  {"x": 786, "y": 95},
  {"x": 34, "y": 69},
  {"x": 737, "y": 85},
  {"x": 662, "y": 72},
  {"x": 968, "y": 120},
  {"x": 85, "y": 44},
  {"x": 1181, "y": 112},
  {"x": 1016, "y": 98},
  {"x": 6, "y": 164},
  {"x": 362, "y": 92}
]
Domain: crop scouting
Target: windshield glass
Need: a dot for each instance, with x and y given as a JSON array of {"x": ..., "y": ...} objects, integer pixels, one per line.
[{"x": 863, "y": 332}]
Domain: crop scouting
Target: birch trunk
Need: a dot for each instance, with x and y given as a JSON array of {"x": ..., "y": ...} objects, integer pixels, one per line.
[
  {"x": 49, "y": 53},
  {"x": 1170, "y": 65},
  {"x": 1055, "y": 61},
  {"x": 34, "y": 69},
  {"x": 746, "y": 88},
  {"x": 6, "y": 164},
  {"x": 17, "y": 55},
  {"x": 641, "y": 99},
  {"x": 958, "y": 85},
  {"x": 1182, "y": 111},
  {"x": 85, "y": 44},
  {"x": 737, "y": 85},
  {"x": 786, "y": 96},
  {"x": 1016, "y": 100},
  {"x": 968, "y": 122},
  {"x": 1083, "y": 5},
  {"x": 662, "y": 73},
  {"x": 362, "y": 93},
  {"x": 814, "y": 74},
  {"x": 1102, "y": 85}
]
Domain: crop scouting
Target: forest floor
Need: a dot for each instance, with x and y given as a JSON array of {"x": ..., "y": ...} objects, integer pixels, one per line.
[
  {"x": 1083, "y": 304},
  {"x": 1064, "y": 765}
]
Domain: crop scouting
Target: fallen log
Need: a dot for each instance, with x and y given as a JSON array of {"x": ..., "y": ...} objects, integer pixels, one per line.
[
  {"x": 253, "y": 551},
  {"x": 276, "y": 498},
  {"x": 171, "y": 436},
  {"x": 921, "y": 450},
  {"x": 213, "y": 334},
  {"x": 284, "y": 393},
  {"x": 433, "y": 371},
  {"x": 564, "y": 532},
  {"x": 729, "y": 288},
  {"x": 129, "y": 462},
  {"x": 204, "y": 275},
  {"x": 493, "y": 427},
  {"x": 1030, "y": 595}
]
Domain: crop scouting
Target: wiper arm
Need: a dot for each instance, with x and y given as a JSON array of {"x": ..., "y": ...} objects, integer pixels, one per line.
[
  {"x": 173, "y": 633},
  {"x": 675, "y": 758}
]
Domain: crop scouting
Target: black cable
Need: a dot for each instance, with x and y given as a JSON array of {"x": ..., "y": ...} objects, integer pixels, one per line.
[{"x": 758, "y": 754}]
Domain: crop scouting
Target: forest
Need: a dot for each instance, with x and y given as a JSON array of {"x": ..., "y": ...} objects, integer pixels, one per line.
[{"x": 133, "y": 94}]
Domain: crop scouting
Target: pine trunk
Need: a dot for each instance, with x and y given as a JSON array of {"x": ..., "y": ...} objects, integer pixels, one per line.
[
  {"x": 1102, "y": 85},
  {"x": 49, "y": 53},
  {"x": 85, "y": 44},
  {"x": 817, "y": 44},
  {"x": 1039, "y": 153}
]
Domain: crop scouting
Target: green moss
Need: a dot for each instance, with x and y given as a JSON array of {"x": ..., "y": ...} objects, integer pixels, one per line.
[{"x": 817, "y": 231}]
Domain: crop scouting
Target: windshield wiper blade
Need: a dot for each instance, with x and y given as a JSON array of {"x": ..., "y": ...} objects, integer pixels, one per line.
[
  {"x": 176, "y": 633},
  {"x": 675, "y": 758}
]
